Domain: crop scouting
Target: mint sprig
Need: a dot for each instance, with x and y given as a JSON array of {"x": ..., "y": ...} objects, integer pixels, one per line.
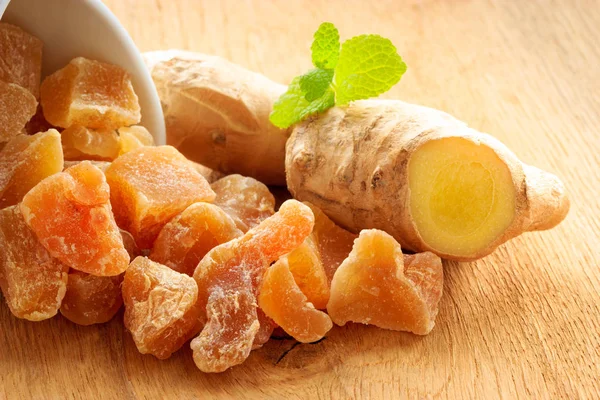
[{"x": 365, "y": 66}]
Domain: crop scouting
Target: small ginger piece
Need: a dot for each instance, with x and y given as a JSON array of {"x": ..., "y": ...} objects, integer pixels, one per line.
[
  {"x": 90, "y": 93},
  {"x": 101, "y": 165},
  {"x": 186, "y": 239},
  {"x": 151, "y": 185},
  {"x": 17, "y": 106},
  {"x": 20, "y": 58},
  {"x": 25, "y": 161},
  {"x": 91, "y": 299},
  {"x": 33, "y": 283},
  {"x": 71, "y": 215},
  {"x": 245, "y": 199},
  {"x": 281, "y": 299},
  {"x": 380, "y": 286},
  {"x": 160, "y": 307},
  {"x": 134, "y": 137},
  {"x": 309, "y": 274},
  {"x": 334, "y": 243},
  {"x": 229, "y": 278},
  {"x": 81, "y": 143}
]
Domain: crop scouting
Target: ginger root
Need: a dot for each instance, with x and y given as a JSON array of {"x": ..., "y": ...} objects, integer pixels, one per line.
[{"x": 417, "y": 173}]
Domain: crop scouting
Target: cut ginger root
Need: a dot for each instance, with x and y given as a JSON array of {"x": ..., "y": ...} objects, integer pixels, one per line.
[
  {"x": 186, "y": 239},
  {"x": 151, "y": 185},
  {"x": 245, "y": 199},
  {"x": 380, "y": 286},
  {"x": 229, "y": 278},
  {"x": 90, "y": 93},
  {"x": 161, "y": 311},
  {"x": 281, "y": 299},
  {"x": 91, "y": 299},
  {"x": 33, "y": 283},
  {"x": 71, "y": 216},
  {"x": 25, "y": 161}
]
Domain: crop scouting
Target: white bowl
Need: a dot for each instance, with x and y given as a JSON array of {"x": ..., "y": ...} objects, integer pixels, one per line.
[{"x": 87, "y": 28}]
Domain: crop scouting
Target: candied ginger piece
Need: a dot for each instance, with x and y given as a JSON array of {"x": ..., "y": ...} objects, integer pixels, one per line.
[
  {"x": 186, "y": 239},
  {"x": 281, "y": 299},
  {"x": 245, "y": 199},
  {"x": 160, "y": 307},
  {"x": 70, "y": 214},
  {"x": 81, "y": 143},
  {"x": 334, "y": 242},
  {"x": 91, "y": 299},
  {"x": 134, "y": 137},
  {"x": 377, "y": 285},
  {"x": 210, "y": 175},
  {"x": 238, "y": 267},
  {"x": 33, "y": 282},
  {"x": 17, "y": 106},
  {"x": 25, "y": 161},
  {"x": 20, "y": 58},
  {"x": 151, "y": 185},
  {"x": 307, "y": 269},
  {"x": 91, "y": 94},
  {"x": 101, "y": 165}
]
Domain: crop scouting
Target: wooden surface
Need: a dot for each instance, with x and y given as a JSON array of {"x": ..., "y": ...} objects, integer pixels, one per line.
[{"x": 521, "y": 323}]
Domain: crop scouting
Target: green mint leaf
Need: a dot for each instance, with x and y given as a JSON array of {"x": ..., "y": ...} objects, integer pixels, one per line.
[
  {"x": 326, "y": 46},
  {"x": 314, "y": 83},
  {"x": 368, "y": 66},
  {"x": 293, "y": 107}
]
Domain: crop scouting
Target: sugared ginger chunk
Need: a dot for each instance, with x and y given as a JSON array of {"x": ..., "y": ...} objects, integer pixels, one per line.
[
  {"x": 186, "y": 239},
  {"x": 17, "y": 106},
  {"x": 379, "y": 286},
  {"x": 151, "y": 185},
  {"x": 91, "y": 94},
  {"x": 81, "y": 143},
  {"x": 160, "y": 307},
  {"x": 134, "y": 137},
  {"x": 245, "y": 199},
  {"x": 71, "y": 215},
  {"x": 309, "y": 274},
  {"x": 25, "y": 161},
  {"x": 229, "y": 278},
  {"x": 334, "y": 243},
  {"x": 91, "y": 299},
  {"x": 20, "y": 58},
  {"x": 33, "y": 283},
  {"x": 281, "y": 299},
  {"x": 101, "y": 165}
]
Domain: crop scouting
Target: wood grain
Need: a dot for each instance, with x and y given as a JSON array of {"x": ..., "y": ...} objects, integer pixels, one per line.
[{"x": 521, "y": 323}]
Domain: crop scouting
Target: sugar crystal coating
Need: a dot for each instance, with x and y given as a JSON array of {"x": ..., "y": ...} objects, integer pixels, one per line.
[
  {"x": 25, "y": 161},
  {"x": 20, "y": 58},
  {"x": 71, "y": 215},
  {"x": 90, "y": 93},
  {"x": 160, "y": 307},
  {"x": 33, "y": 283},
  {"x": 134, "y": 137}
]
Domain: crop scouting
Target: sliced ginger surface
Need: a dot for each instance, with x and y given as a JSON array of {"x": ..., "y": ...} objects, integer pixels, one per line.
[
  {"x": 33, "y": 283},
  {"x": 20, "y": 58},
  {"x": 151, "y": 185},
  {"x": 245, "y": 199},
  {"x": 229, "y": 278},
  {"x": 91, "y": 94},
  {"x": 134, "y": 137},
  {"x": 71, "y": 215},
  {"x": 462, "y": 196},
  {"x": 81, "y": 143},
  {"x": 281, "y": 299},
  {"x": 91, "y": 299},
  {"x": 25, "y": 161},
  {"x": 161, "y": 311},
  {"x": 186, "y": 239},
  {"x": 17, "y": 106},
  {"x": 379, "y": 286}
]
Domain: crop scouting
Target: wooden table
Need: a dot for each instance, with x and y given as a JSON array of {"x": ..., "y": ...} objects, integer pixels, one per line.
[{"x": 521, "y": 323}]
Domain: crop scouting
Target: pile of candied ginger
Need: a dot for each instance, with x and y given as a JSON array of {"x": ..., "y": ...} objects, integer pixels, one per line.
[{"x": 95, "y": 218}]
